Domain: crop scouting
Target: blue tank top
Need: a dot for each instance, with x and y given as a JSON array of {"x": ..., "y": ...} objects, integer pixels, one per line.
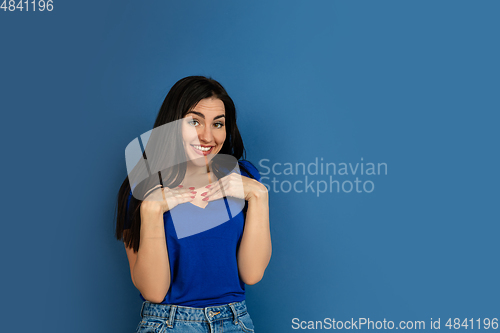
[{"x": 203, "y": 265}]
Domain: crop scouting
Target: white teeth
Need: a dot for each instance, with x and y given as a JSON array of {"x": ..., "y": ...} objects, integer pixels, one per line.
[{"x": 202, "y": 148}]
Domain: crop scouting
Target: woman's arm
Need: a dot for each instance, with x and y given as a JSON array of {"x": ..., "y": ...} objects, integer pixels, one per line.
[
  {"x": 255, "y": 248},
  {"x": 150, "y": 267}
]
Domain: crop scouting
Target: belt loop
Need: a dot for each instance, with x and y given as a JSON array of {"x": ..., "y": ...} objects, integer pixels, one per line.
[
  {"x": 171, "y": 316},
  {"x": 235, "y": 313},
  {"x": 142, "y": 307}
]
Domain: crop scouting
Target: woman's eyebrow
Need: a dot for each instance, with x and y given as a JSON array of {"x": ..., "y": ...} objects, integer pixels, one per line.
[
  {"x": 203, "y": 116},
  {"x": 197, "y": 113}
]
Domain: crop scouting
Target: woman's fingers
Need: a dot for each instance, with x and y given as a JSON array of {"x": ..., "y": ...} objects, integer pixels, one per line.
[
  {"x": 230, "y": 185},
  {"x": 215, "y": 196},
  {"x": 181, "y": 194},
  {"x": 220, "y": 185},
  {"x": 214, "y": 187},
  {"x": 185, "y": 197},
  {"x": 169, "y": 198}
]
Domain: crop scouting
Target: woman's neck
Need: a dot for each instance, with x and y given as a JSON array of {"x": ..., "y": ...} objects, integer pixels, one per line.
[{"x": 193, "y": 170}]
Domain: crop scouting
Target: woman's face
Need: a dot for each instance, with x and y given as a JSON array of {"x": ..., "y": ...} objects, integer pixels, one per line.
[{"x": 205, "y": 134}]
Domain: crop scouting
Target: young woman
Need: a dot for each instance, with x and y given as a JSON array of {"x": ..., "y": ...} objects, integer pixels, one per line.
[{"x": 193, "y": 280}]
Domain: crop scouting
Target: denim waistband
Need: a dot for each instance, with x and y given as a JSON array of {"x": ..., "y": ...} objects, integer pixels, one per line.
[{"x": 172, "y": 312}]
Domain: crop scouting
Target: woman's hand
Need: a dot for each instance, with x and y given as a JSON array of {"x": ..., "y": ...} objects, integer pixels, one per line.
[
  {"x": 162, "y": 199},
  {"x": 236, "y": 185}
]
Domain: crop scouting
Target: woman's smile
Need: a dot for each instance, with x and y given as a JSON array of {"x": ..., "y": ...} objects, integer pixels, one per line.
[{"x": 202, "y": 150}]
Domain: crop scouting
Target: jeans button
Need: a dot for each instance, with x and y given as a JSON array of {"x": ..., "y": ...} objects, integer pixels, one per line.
[{"x": 211, "y": 314}]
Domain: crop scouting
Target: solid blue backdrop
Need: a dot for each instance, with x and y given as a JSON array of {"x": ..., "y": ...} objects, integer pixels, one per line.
[{"x": 412, "y": 84}]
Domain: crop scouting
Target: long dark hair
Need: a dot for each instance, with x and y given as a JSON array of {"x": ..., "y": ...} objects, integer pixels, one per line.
[{"x": 182, "y": 97}]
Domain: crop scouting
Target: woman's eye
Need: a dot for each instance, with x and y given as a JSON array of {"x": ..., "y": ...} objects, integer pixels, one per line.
[
  {"x": 192, "y": 122},
  {"x": 219, "y": 125}
]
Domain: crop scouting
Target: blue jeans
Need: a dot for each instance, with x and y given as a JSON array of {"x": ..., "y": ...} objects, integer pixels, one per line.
[{"x": 165, "y": 318}]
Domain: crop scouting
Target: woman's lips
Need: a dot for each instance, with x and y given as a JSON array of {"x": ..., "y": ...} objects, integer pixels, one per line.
[{"x": 202, "y": 153}]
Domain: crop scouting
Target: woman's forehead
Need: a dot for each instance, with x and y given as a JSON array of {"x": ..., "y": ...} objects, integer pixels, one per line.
[{"x": 210, "y": 105}]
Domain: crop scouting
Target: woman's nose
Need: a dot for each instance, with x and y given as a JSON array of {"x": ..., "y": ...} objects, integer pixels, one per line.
[{"x": 206, "y": 134}]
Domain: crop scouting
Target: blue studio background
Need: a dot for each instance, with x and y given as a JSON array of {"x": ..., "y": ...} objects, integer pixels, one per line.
[{"x": 412, "y": 84}]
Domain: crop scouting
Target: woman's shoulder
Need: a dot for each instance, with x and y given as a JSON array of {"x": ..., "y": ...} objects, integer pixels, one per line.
[{"x": 247, "y": 168}]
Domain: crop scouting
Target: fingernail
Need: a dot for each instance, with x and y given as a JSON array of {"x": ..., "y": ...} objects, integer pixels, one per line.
[
  {"x": 205, "y": 199},
  {"x": 208, "y": 186},
  {"x": 192, "y": 197},
  {"x": 204, "y": 193},
  {"x": 191, "y": 188},
  {"x": 194, "y": 192},
  {"x": 181, "y": 186}
]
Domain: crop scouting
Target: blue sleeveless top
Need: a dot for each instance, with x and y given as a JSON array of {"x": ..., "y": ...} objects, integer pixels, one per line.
[{"x": 202, "y": 251}]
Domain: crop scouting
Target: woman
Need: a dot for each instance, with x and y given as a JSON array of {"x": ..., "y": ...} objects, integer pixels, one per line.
[{"x": 195, "y": 282}]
